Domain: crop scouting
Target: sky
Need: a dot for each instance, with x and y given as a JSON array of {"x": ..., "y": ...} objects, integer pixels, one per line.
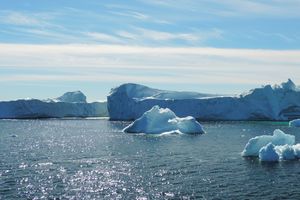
[{"x": 226, "y": 47}]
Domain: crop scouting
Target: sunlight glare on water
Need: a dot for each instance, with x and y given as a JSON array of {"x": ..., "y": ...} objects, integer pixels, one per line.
[{"x": 94, "y": 159}]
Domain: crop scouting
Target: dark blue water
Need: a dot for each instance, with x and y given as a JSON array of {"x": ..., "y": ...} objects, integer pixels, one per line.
[{"x": 93, "y": 159}]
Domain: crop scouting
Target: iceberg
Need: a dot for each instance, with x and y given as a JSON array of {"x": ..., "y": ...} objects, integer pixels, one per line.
[
  {"x": 278, "y": 147},
  {"x": 278, "y": 138},
  {"x": 286, "y": 152},
  {"x": 295, "y": 123},
  {"x": 268, "y": 153},
  {"x": 72, "y": 97},
  {"x": 280, "y": 102},
  {"x": 71, "y": 104},
  {"x": 163, "y": 120}
]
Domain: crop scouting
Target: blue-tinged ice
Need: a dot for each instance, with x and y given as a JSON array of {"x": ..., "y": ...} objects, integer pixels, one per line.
[
  {"x": 268, "y": 153},
  {"x": 71, "y": 104},
  {"x": 279, "y": 102},
  {"x": 286, "y": 152},
  {"x": 295, "y": 123},
  {"x": 161, "y": 120}
]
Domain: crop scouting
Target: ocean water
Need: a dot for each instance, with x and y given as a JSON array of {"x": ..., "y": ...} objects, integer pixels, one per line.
[{"x": 94, "y": 159}]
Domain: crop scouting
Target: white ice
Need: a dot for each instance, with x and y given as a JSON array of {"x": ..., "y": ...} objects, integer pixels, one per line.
[
  {"x": 278, "y": 147},
  {"x": 278, "y": 138},
  {"x": 72, "y": 97},
  {"x": 160, "y": 120}
]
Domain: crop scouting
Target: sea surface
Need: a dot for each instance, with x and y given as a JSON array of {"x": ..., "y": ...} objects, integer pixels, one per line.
[{"x": 94, "y": 159}]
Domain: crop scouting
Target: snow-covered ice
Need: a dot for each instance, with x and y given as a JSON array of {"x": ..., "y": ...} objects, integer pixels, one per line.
[
  {"x": 161, "y": 120},
  {"x": 278, "y": 138},
  {"x": 72, "y": 97},
  {"x": 279, "y": 102},
  {"x": 295, "y": 123},
  {"x": 71, "y": 104}
]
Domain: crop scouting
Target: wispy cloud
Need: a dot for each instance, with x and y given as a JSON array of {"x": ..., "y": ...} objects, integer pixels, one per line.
[
  {"x": 185, "y": 65},
  {"x": 142, "y": 34},
  {"x": 133, "y": 14},
  {"x": 234, "y": 8},
  {"x": 35, "y": 19},
  {"x": 102, "y": 37},
  {"x": 17, "y": 18}
]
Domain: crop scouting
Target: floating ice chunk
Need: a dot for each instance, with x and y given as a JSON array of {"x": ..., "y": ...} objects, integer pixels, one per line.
[
  {"x": 278, "y": 138},
  {"x": 160, "y": 120},
  {"x": 286, "y": 152},
  {"x": 296, "y": 148},
  {"x": 295, "y": 123},
  {"x": 268, "y": 153}
]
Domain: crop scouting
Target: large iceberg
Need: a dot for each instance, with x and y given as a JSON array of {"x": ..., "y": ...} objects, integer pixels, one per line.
[
  {"x": 279, "y": 102},
  {"x": 159, "y": 120},
  {"x": 71, "y": 104},
  {"x": 278, "y": 138}
]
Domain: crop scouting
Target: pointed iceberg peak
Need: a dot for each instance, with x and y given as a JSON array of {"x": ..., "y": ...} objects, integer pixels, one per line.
[
  {"x": 289, "y": 85},
  {"x": 73, "y": 97}
]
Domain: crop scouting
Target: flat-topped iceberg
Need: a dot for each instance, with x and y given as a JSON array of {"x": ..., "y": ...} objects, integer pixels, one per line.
[
  {"x": 279, "y": 102},
  {"x": 279, "y": 146},
  {"x": 71, "y": 104},
  {"x": 163, "y": 120}
]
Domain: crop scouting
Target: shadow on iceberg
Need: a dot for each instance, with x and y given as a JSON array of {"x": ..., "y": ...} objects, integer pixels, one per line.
[{"x": 164, "y": 121}]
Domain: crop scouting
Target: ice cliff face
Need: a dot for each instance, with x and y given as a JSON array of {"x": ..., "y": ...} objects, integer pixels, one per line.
[
  {"x": 280, "y": 102},
  {"x": 71, "y": 104}
]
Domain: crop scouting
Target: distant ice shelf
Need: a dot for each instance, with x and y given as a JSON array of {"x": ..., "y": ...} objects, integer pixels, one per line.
[
  {"x": 279, "y": 102},
  {"x": 71, "y": 104}
]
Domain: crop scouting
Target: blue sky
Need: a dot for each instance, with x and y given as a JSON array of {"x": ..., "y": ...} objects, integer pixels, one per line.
[{"x": 50, "y": 47}]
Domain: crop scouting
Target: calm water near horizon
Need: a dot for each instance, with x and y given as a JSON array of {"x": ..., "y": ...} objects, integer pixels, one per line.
[{"x": 94, "y": 159}]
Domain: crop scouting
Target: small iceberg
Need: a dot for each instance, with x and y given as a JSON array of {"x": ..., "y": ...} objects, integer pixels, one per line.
[
  {"x": 294, "y": 123},
  {"x": 163, "y": 120},
  {"x": 279, "y": 146},
  {"x": 278, "y": 138},
  {"x": 268, "y": 153}
]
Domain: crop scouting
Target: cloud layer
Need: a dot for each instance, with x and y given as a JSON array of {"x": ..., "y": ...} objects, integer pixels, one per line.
[{"x": 185, "y": 65}]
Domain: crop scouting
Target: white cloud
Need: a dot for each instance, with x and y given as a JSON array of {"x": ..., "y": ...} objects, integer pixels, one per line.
[
  {"x": 193, "y": 37},
  {"x": 184, "y": 65},
  {"x": 17, "y": 18},
  {"x": 106, "y": 38},
  {"x": 234, "y": 8}
]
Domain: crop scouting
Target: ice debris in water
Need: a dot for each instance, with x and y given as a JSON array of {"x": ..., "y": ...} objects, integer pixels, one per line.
[
  {"x": 254, "y": 145},
  {"x": 161, "y": 120},
  {"x": 279, "y": 146}
]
